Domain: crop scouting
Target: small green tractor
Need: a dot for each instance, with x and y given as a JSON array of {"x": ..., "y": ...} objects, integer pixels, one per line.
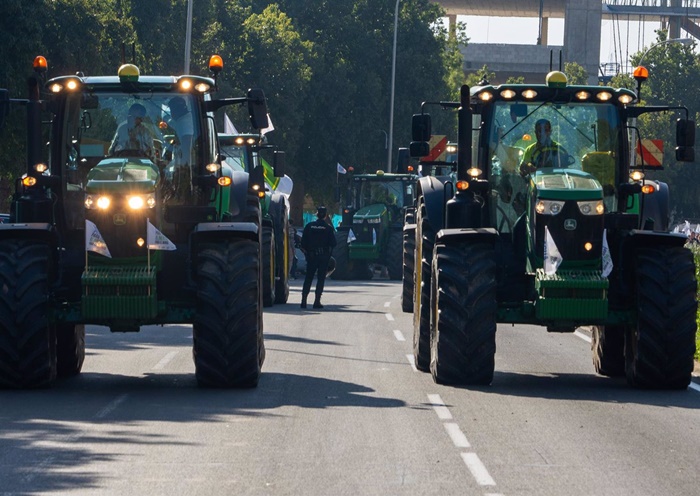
[
  {"x": 370, "y": 232},
  {"x": 151, "y": 230},
  {"x": 582, "y": 239},
  {"x": 243, "y": 152}
]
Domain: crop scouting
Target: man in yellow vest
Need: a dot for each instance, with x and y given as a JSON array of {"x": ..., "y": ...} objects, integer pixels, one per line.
[{"x": 545, "y": 152}]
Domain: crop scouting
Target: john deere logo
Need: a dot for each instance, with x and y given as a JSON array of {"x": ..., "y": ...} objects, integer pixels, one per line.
[
  {"x": 119, "y": 219},
  {"x": 570, "y": 224}
]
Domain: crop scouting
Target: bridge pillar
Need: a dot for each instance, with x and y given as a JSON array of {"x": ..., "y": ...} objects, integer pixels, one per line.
[{"x": 582, "y": 19}]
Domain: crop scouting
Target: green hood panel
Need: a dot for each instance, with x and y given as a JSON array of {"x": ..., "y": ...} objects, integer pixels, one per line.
[
  {"x": 118, "y": 174},
  {"x": 370, "y": 212},
  {"x": 567, "y": 184}
]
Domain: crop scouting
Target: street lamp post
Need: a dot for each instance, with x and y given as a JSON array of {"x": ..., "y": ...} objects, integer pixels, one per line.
[
  {"x": 188, "y": 37},
  {"x": 683, "y": 41},
  {"x": 390, "y": 144}
]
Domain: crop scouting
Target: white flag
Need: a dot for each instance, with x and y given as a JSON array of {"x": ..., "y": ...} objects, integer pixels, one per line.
[
  {"x": 697, "y": 228},
  {"x": 229, "y": 128},
  {"x": 676, "y": 229},
  {"x": 374, "y": 236},
  {"x": 270, "y": 126},
  {"x": 552, "y": 257},
  {"x": 94, "y": 241},
  {"x": 156, "y": 240},
  {"x": 607, "y": 259},
  {"x": 351, "y": 236},
  {"x": 341, "y": 169},
  {"x": 686, "y": 228}
]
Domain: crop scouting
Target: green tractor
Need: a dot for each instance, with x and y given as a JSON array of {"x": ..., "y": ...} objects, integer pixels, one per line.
[
  {"x": 126, "y": 217},
  {"x": 243, "y": 152},
  {"x": 370, "y": 232},
  {"x": 576, "y": 236}
]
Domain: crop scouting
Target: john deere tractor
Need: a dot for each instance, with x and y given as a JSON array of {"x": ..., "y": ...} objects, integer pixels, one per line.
[
  {"x": 243, "y": 152},
  {"x": 561, "y": 230},
  {"x": 370, "y": 232},
  {"x": 127, "y": 217}
]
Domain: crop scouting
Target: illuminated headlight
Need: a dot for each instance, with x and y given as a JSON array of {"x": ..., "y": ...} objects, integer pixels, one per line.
[
  {"x": 185, "y": 84},
  {"x": 485, "y": 96},
  {"x": 41, "y": 167},
  {"x": 474, "y": 172},
  {"x": 202, "y": 87},
  {"x": 604, "y": 96},
  {"x": 625, "y": 99},
  {"x": 137, "y": 202},
  {"x": 529, "y": 94},
  {"x": 376, "y": 220},
  {"x": 636, "y": 175},
  {"x": 591, "y": 207},
  {"x": 96, "y": 201},
  {"x": 508, "y": 94},
  {"x": 213, "y": 167},
  {"x": 549, "y": 207},
  {"x": 56, "y": 88}
]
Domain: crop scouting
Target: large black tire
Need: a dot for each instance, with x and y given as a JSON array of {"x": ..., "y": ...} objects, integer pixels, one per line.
[
  {"x": 342, "y": 257},
  {"x": 463, "y": 314},
  {"x": 409, "y": 248},
  {"x": 228, "y": 345},
  {"x": 268, "y": 266},
  {"x": 659, "y": 349},
  {"x": 27, "y": 337},
  {"x": 70, "y": 349},
  {"x": 608, "y": 347},
  {"x": 425, "y": 240},
  {"x": 283, "y": 249},
  {"x": 394, "y": 254}
]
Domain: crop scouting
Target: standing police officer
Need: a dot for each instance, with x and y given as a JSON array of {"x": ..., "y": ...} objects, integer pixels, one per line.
[{"x": 317, "y": 244}]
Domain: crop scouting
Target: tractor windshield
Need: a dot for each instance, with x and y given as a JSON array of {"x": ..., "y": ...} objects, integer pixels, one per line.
[
  {"x": 384, "y": 192},
  {"x": 550, "y": 137}
]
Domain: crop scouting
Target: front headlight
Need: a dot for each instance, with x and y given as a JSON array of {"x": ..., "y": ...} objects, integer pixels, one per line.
[
  {"x": 97, "y": 201},
  {"x": 137, "y": 202},
  {"x": 549, "y": 207},
  {"x": 591, "y": 207}
]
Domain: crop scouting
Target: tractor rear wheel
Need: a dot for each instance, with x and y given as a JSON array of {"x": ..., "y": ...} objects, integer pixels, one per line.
[
  {"x": 342, "y": 257},
  {"x": 27, "y": 337},
  {"x": 394, "y": 262},
  {"x": 268, "y": 265},
  {"x": 70, "y": 349},
  {"x": 228, "y": 331},
  {"x": 463, "y": 314},
  {"x": 608, "y": 346},
  {"x": 283, "y": 249},
  {"x": 409, "y": 248},
  {"x": 659, "y": 349},
  {"x": 425, "y": 240}
]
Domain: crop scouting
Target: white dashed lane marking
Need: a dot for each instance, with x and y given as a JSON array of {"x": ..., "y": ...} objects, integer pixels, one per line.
[
  {"x": 399, "y": 335},
  {"x": 389, "y": 317},
  {"x": 478, "y": 470},
  {"x": 442, "y": 411}
]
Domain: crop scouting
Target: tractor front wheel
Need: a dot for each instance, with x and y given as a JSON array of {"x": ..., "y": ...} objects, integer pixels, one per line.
[
  {"x": 608, "y": 347},
  {"x": 228, "y": 334},
  {"x": 463, "y": 314},
  {"x": 409, "y": 248},
  {"x": 70, "y": 349}
]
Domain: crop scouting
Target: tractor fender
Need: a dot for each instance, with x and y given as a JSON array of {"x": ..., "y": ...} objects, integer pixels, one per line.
[
  {"x": 239, "y": 193},
  {"x": 471, "y": 235},
  {"x": 39, "y": 231},
  {"x": 433, "y": 193},
  {"x": 656, "y": 207},
  {"x": 217, "y": 231}
]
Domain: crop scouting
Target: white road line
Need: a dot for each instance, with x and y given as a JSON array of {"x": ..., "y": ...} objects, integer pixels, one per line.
[
  {"x": 412, "y": 361},
  {"x": 456, "y": 434},
  {"x": 694, "y": 386},
  {"x": 165, "y": 360},
  {"x": 389, "y": 317},
  {"x": 439, "y": 406},
  {"x": 478, "y": 469},
  {"x": 582, "y": 336},
  {"x": 386, "y": 305},
  {"x": 110, "y": 408},
  {"x": 399, "y": 335}
]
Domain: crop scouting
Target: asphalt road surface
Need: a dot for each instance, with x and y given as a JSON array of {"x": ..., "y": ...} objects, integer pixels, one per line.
[{"x": 340, "y": 410}]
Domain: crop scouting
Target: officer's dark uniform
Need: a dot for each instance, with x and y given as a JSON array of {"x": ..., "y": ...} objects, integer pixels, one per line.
[{"x": 317, "y": 242}]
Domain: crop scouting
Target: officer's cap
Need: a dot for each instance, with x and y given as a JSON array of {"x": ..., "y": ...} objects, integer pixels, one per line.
[{"x": 321, "y": 212}]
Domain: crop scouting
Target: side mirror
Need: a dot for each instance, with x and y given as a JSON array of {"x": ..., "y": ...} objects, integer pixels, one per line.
[
  {"x": 257, "y": 108},
  {"x": 419, "y": 148},
  {"x": 685, "y": 133},
  {"x": 421, "y": 127},
  {"x": 403, "y": 160},
  {"x": 685, "y": 154},
  {"x": 279, "y": 163},
  {"x": 4, "y": 105}
]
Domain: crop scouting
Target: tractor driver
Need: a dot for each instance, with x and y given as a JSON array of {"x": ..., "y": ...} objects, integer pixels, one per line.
[
  {"x": 135, "y": 135},
  {"x": 545, "y": 152}
]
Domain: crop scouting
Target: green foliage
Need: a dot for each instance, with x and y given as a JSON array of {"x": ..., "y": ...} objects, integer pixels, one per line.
[
  {"x": 695, "y": 248},
  {"x": 480, "y": 77},
  {"x": 575, "y": 73},
  {"x": 516, "y": 80}
]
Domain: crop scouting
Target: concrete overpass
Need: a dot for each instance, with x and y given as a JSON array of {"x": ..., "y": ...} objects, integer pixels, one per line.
[{"x": 582, "y": 31}]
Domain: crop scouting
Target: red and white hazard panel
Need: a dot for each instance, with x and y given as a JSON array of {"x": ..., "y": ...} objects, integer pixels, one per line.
[{"x": 651, "y": 151}]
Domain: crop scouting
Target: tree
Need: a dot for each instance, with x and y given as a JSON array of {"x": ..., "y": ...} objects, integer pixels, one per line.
[{"x": 575, "y": 73}]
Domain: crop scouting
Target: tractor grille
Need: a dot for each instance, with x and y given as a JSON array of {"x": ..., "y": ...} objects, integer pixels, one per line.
[{"x": 570, "y": 231}]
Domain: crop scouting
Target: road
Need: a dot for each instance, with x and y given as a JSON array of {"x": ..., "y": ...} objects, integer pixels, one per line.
[{"x": 340, "y": 410}]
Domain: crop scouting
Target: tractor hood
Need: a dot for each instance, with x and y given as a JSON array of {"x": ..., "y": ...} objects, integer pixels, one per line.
[
  {"x": 370, "y": 213},
  {"x": 135, "y": 175},
  {"x": 567, "y": 184}
]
